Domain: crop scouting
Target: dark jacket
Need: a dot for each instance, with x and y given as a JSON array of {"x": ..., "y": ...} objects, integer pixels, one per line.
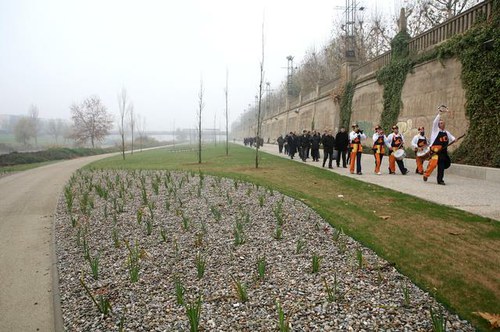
[
  {"x": 315, "y": 141},
  {"x": 328, "y": 143},
  {"x": 341, "y": 141}
]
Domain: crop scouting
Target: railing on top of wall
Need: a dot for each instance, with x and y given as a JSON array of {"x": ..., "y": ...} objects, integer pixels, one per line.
[{"x": 454, "y": 26}]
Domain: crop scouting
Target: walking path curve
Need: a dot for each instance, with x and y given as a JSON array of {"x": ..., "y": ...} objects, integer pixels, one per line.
[
  {"x": 473, "y": 195},
  {"x": 28, "y": 274}
]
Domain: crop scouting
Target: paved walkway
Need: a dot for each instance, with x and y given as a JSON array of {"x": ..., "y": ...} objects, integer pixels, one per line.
[
  {"x": 476, "y": 196},
  {"x": 28, "y": 282}
]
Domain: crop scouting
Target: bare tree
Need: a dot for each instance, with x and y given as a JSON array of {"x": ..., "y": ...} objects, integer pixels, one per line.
[
  {"x": 140, "y": 124},
  {"x": 55, "y": 128},
  {"x": 122, "y": 109},
  {"x": 199, "y": 111},
  {"x": 259, "y": 120},
  {"x": 91, "y": 121},
  {"x": 424, "y": 14},
  {"x": 23, "y": 130},
  {"x": 33, "y": 114},
  {"x": 132, "y": 125},
  {"x": 227, "y": 114}
]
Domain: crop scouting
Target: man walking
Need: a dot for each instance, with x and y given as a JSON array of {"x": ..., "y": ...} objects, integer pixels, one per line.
[
  {"x": 341, "y": 145},
  {"x": 328, "y": 144}
]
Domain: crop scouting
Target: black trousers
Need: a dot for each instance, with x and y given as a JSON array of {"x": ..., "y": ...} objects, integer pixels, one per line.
[
  {"x": 440, "y": 167},
  {"x": 327, "y": 154},
  {"x": 342, "y": 154}
]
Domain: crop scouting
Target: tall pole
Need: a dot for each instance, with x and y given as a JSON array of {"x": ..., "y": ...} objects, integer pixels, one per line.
[{"x": 227, "y": 115}]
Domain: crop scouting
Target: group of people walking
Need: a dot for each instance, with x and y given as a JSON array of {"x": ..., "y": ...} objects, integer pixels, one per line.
[
  {"x": 308, "y": 144},
  {"x": 348, "y": 148}
]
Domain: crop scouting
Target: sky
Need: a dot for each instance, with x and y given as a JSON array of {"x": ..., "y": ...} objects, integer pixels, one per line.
[{"x": 54, "y": 53}]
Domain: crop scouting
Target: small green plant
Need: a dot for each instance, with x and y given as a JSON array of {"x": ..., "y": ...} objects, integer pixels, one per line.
[
  {"x": 229, "y": 199},
  {"x": 74, "y": 221},
  {"x": 278, "y": 213},
  {"x": 438, "y": 321},
  {"x": 116, "y": 237},
  {"x": 151, "y": 207},
  {"x": 300, "y": 245},
  {"x": 261, "y": 267},
  {"x": 86, "y": 250},
  {"x": 332, "y": 293},
  {"x": 193, "y": 312},
  {"x": 200, "y": 265},
  {"x": 283, "y": 324},
  {"x": 239, "y": 235},
  {"x": 185, "y": 222},
  {"x": 69, "y": 197},
  {"x": 406, "y": 295},
  {"x": 94, "y": 266},
  {"x": 216, "y": 212},
  {"x": 149, "y": 226},
  {"x": 261, "y": 200},
  {"x": 179, "y": 291},
  {"x": 380, "y": 278},
  {"x": 102, "y": 302},
  {"x": 139, "y": 216},
  {"x": 156, "y": 186},
  {"x": 167, "y": 204},
  {"x": 278, "y": 232},
  {"x": 336, "y": 234},
  {"x": 240, "y": 289},
  {"x": 133, "y": 263},
  {"x": 163, "y": 234},
  {"x": 359, "y": 258},
  {"x": 144, "y": 195},
  {"x": 316, "y": 261}
]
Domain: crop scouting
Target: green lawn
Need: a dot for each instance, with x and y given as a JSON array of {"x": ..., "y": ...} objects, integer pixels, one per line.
[{"x": 453, "y": 254}]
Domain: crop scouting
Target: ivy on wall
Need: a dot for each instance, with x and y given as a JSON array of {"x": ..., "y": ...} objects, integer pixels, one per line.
[
  {"x": 346, "y": 105},
  {"x": 393, "y": 77},
  {"x": 479, "y": 52}
]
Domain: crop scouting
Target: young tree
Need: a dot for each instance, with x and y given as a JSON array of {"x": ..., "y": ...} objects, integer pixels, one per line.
[
  {"x": 259, "y": 120},
  {"x": 122, "y": 109},
  {"x": 33, "y": 114},
  {"x": 55, "y": 128},
  {"x": 23, "y": 130},
  {"x": 227, "y": 115},
  {"x": 132, "y": 125},
  {"x": 91, "y": 121},
  {"x": 199, "y": 111}
]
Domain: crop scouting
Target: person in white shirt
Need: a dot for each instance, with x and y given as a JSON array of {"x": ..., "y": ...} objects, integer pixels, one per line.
[
  {"x": 394, "y": 142},
  {"x": 355, "y": 137},
  {"x": 440, "y": 139},
  {"x": 378, "y": 147},
  {"x": 420, "y": 144}
]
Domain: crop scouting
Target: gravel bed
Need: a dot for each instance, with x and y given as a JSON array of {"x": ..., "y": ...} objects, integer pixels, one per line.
[{"x": 195, "y": 216}]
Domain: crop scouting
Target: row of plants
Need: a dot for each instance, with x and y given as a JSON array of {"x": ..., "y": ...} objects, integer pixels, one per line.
[{"x": 123, "y": 226}]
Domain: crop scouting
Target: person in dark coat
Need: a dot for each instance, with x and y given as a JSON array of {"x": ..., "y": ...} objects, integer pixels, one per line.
[
  {"x": 304, "y": 144},
  {"x": 292, "y": 144},
  {"x": 280, "y": 141},
  {"x": 341, "y": 145},
  {"x": 328, "y": 145},
  {"x": 315, "y": 142}
]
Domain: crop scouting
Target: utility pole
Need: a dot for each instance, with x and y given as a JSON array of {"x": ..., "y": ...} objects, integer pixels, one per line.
[{"x": 289, "y": 88}]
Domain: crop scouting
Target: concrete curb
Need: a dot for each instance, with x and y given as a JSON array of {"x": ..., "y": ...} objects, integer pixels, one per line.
[{"x": 56, "y": 296}]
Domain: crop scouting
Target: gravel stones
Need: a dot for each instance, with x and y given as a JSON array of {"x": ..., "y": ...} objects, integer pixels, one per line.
[{"x": 171, "y": 218}]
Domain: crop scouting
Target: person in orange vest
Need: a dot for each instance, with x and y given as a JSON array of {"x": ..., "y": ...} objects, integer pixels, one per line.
[
  {"x": 440, "y": 139},
  {"x": 420, "y": 144},
  {"x": 378, "y": 147},
  {"x": 394, "y": 142},
  {"x": 355, "y": 137}
]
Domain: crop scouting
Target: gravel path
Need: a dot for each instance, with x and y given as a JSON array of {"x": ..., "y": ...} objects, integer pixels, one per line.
[{"x": 165, "y": 225}]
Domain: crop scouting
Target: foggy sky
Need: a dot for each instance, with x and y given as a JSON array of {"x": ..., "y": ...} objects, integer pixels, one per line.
[{"x": 57, "y": 52}]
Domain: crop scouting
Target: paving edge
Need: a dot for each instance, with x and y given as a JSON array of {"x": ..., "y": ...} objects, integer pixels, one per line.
[{"x": 56, "y": 297}]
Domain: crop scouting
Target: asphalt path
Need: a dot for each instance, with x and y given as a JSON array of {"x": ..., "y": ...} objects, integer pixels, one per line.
[
  {"x": 28, "y": 275},
  {"x": 476, "y": 196}
]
